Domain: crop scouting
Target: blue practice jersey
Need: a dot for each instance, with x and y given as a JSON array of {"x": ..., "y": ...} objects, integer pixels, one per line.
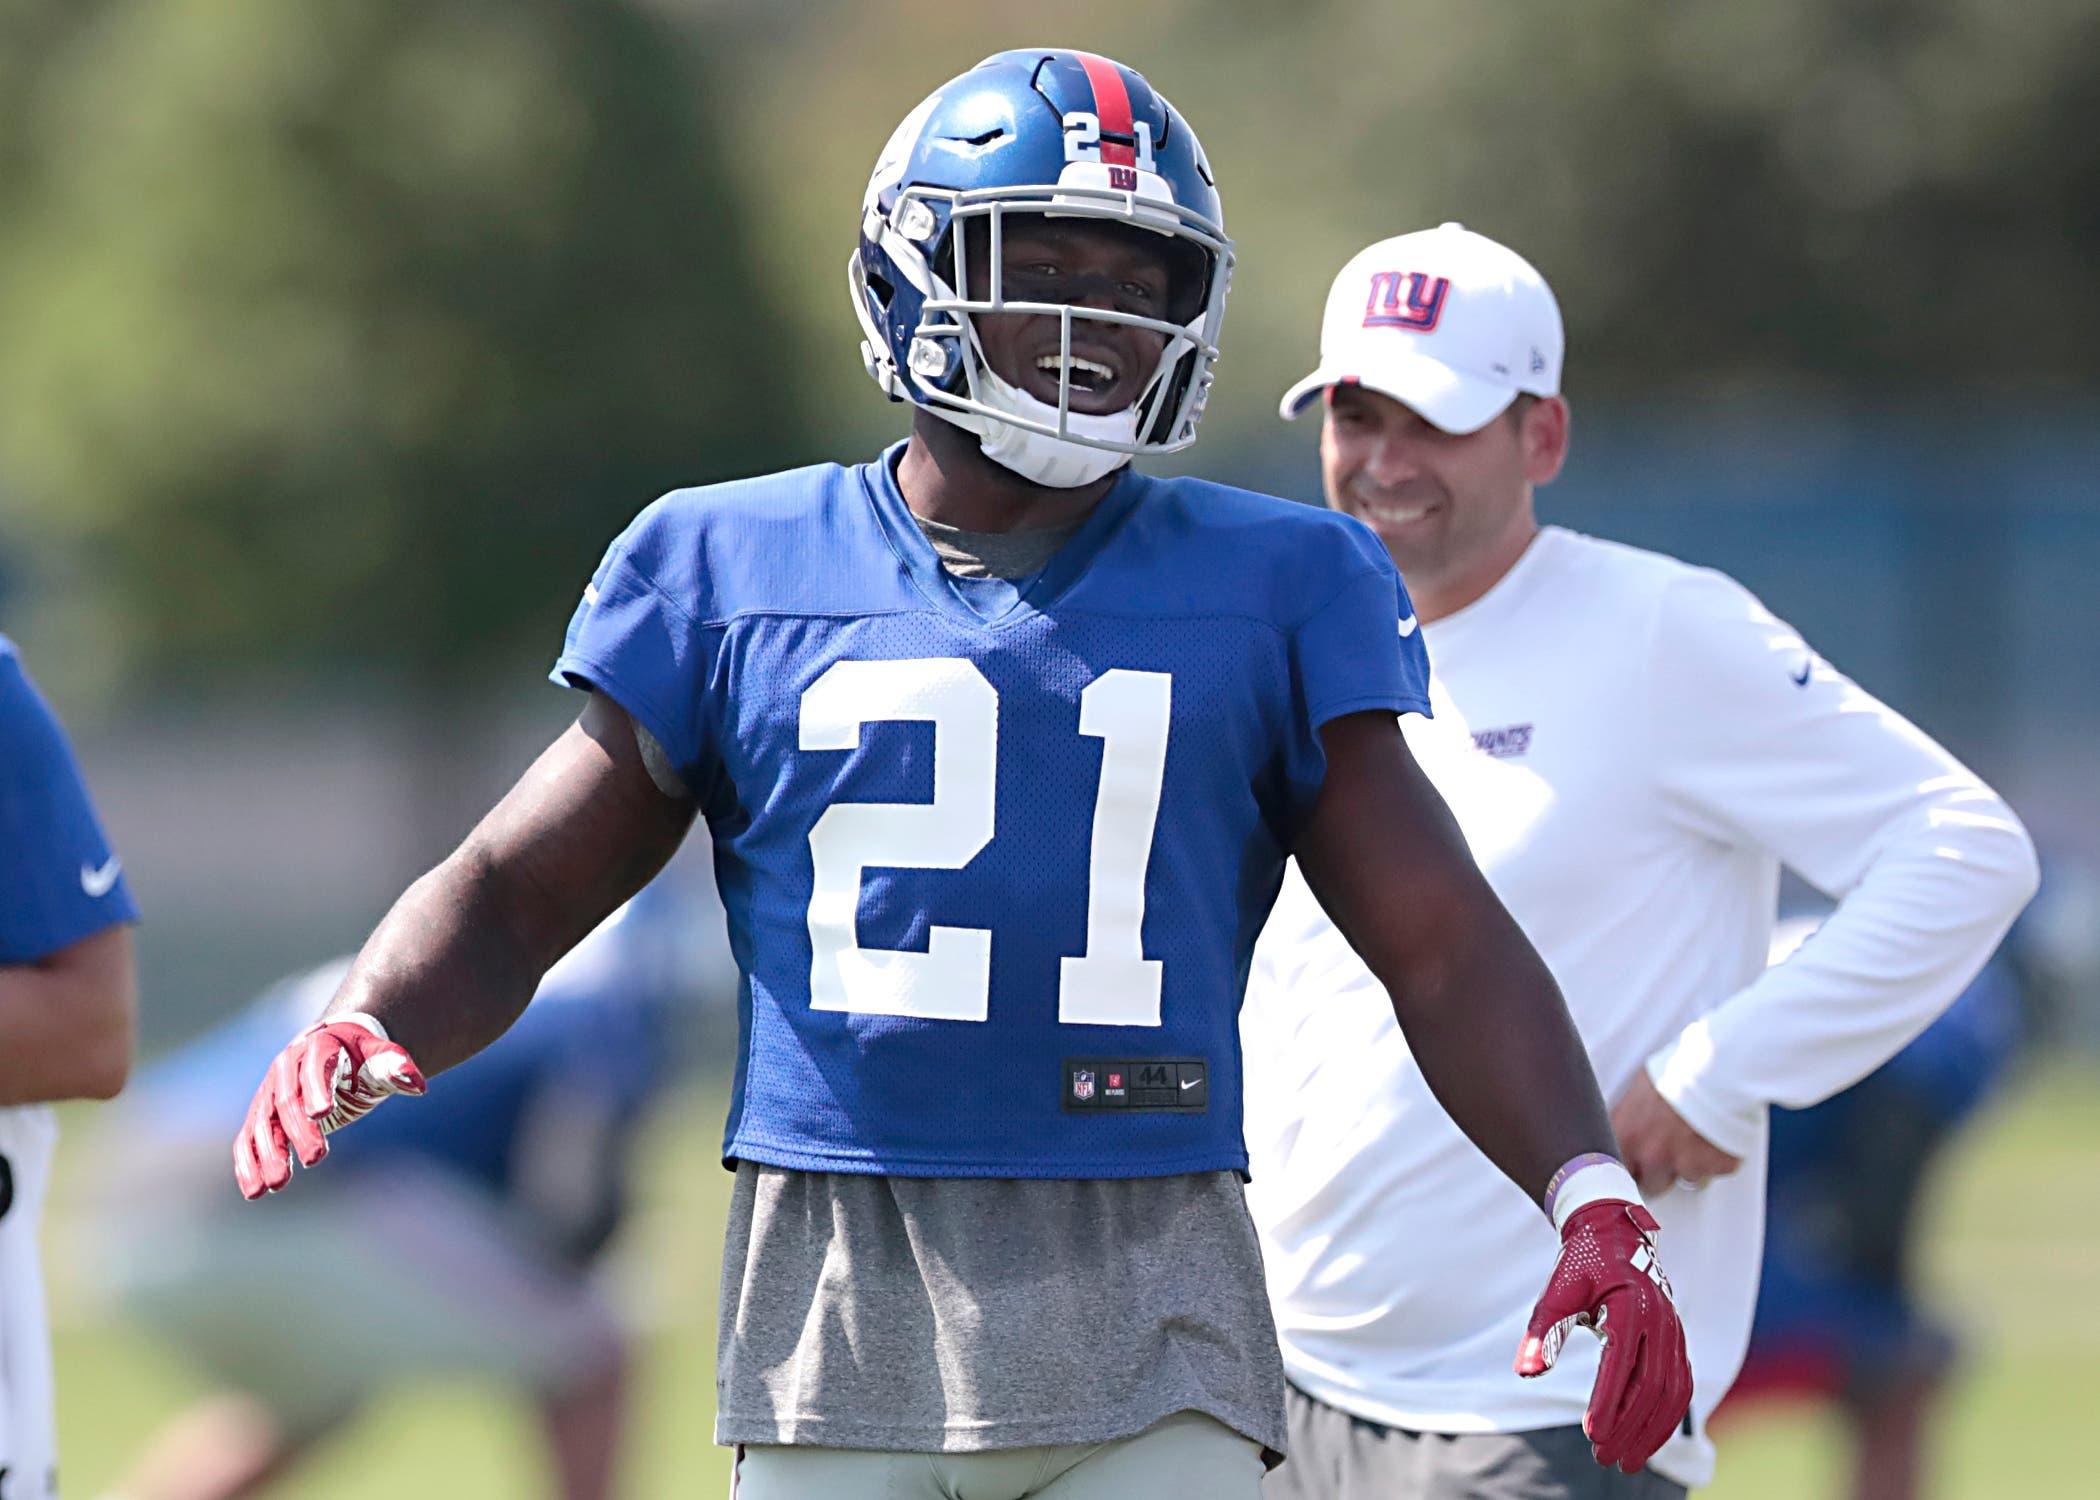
[
  {"x": 994, "y": 855},
  {"x": 59, "y": 881}
]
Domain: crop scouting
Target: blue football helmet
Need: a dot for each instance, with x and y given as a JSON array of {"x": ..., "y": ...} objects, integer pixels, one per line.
[{"x": 1051, "y": 132}]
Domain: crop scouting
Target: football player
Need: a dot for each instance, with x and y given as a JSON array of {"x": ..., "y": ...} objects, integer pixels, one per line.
[
  {"x": 1633, "y": 747},
  {"x": 68, "y": 996},
  {"x": 1001, "y": 747}
]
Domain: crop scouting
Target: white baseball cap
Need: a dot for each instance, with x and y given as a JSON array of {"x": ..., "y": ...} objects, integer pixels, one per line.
[{"x": 1443, "y": 320}]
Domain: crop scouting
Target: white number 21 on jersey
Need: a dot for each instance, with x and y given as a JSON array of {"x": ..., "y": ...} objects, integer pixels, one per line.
[{"x": 1112, "y": 983}]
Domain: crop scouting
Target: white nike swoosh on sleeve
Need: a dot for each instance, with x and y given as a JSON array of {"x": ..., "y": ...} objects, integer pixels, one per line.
[{"x": 99, "y": 883}]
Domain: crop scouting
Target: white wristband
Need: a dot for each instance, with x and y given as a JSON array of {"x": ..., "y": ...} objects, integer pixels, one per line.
[{"x": 1599, "y": 1180}]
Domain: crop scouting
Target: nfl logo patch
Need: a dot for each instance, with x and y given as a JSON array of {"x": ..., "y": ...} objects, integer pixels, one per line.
[{"x": 1082, "y": 1084}]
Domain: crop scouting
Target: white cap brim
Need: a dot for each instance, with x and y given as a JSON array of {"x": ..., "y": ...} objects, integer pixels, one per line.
[{"x": 1457, "y": 403}]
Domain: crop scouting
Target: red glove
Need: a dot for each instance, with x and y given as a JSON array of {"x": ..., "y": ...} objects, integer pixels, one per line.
[
  {"x": 1608, "y": 1279},
  {"x": 333, "y": 1072}
]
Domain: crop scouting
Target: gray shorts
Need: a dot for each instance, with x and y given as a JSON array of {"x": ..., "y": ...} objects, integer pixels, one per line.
[
  {"x": 1187, "y": 1454},
  {"x": 1336, "y": 1456}
]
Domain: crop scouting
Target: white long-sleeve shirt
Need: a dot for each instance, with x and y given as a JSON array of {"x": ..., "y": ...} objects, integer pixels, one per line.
[{"x": 1633, "y": 747}]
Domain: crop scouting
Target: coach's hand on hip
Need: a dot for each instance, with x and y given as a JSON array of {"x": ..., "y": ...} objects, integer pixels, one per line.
[{"x": 1658, "y": 1147}]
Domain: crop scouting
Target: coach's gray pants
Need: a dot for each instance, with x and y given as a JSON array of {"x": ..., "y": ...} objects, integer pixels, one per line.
[{"x": 1335, "y": 1456}]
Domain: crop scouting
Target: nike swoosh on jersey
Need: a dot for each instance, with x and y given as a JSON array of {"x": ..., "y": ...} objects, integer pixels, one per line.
[
  {"x": 1800, "y": 678},
  {"x": 1407, "y": 627},
  {"x": 99, "y": 883}
]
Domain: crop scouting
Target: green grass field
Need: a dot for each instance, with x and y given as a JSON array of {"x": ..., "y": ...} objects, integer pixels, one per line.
[{"x": 2014, "y": 1233}]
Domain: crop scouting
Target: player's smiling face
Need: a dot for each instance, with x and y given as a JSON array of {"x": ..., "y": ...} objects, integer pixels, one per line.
[
  {"x": 1445, "y": 504},
  {"x": 1079, "y": 263}
]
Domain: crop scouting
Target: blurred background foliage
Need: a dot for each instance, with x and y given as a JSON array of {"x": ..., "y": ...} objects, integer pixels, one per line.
[
  {"x": 349, "y": 334},
  {"x": 352, "y": 333}
]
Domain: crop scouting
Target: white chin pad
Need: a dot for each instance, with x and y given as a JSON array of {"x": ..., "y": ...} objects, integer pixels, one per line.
[{"x": 1039, "y": 457}]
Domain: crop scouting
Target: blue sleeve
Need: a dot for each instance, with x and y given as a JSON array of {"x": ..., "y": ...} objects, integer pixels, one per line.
[
  {"x": 640, "y": 635},
  {"x": 1360, "y": 649},
  {"x": 59, "y": 882}
]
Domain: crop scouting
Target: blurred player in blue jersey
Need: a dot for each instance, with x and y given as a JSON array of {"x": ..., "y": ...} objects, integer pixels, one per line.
[
  {"x": 456, "y": 1239},
  {"x": 1839, "y": 1312},
  {"x": 1002, "y": 747},
  {"x": 68, "y": 995}
]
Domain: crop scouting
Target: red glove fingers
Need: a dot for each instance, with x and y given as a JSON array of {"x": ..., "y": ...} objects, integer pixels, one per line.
[
  {"x": 261, "y": 1161},
  {"x": 1632, "y": 1388},
  {"x": 1674, "y": 1396},
  {"x": 295, "y": 1121},
  {"x": 330, "y": 1074}
]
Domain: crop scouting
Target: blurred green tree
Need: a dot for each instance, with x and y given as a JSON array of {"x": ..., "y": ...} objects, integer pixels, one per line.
[{"x": 352, "y": 333}]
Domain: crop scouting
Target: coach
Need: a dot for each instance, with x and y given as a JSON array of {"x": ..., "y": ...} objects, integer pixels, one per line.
[{"x": 1633, "y": 747}]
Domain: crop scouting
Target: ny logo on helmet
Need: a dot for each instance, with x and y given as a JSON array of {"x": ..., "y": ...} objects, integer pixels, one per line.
[
  {"x": 1124, "y": 159},
  {"x": 1405, "y": 299}
]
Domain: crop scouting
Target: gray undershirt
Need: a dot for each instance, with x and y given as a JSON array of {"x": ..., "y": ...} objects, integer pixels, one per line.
[
  {"x": 958, "y": 1315},
  {"x": 995, "y": 554}
]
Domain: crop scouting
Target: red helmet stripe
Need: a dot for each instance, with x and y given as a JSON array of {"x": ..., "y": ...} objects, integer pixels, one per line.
[{"x": 1112, "y": 104}]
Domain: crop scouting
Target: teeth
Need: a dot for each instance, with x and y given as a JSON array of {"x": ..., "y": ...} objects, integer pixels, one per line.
[
  {"x": 1080, "y": 366},
  {"x": 1400, "y": 513}
]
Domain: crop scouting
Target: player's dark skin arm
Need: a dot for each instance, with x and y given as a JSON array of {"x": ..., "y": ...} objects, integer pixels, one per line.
[
  {"x": 461, "y": 953},
  {"x": 1480, "y": 1012}
]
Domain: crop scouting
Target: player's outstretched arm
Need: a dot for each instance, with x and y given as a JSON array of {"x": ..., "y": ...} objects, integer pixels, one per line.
[
  {"x": 1487, "y": 1023},
  {"x": 459, "y": 956}
]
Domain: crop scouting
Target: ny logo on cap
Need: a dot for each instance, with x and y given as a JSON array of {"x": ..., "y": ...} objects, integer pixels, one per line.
[{"x": 1405, "y": 299}]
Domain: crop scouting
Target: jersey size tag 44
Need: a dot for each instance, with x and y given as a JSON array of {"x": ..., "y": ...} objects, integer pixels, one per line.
[{"x": 1155, "y": 1085}]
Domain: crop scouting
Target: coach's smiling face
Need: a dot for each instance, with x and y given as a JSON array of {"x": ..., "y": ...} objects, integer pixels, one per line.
[{"x": 1454, "y": 509}]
